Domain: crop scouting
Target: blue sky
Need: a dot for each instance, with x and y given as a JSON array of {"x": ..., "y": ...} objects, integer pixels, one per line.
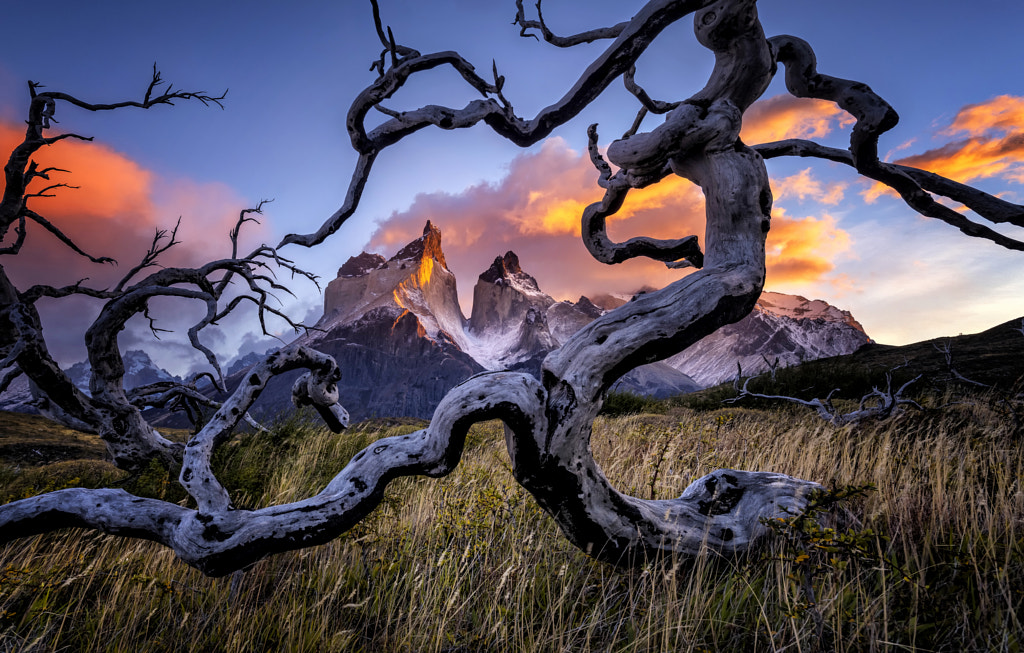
[{"x": 293, "y": 70}]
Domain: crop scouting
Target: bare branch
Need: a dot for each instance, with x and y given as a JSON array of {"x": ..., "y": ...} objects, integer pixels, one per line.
[
  {"x": 156, "y": 248},
  {"x": 9, "y": 367},
  {"x": 21, "y": 170},
  {"x": 946, "y": 349},
  {"x": 987, "y": 206},
  {"x": 46, "y": 224},
  {"x": 603, "y": 169},
  {"x": 886, "y": 403},
  {"x": 19, "y": 240},
  {"x": 632, "y": 40},
  {"x": 875, "y": 117},
  {"x": 243, "y": 217},
  {"x": 149, "y": 100},
  {"x": 35, "y": 292},
  {"x": 7, "y": 376},
  {"x": 45, "y": 192},
  {"x": 637, "y": 123},
  {"x": 562, "y": 41},
  {"x": 654, "y": 106}
]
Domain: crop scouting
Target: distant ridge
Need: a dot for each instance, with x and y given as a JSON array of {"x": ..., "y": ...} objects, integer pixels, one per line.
[{"x": 994, "y": 357}]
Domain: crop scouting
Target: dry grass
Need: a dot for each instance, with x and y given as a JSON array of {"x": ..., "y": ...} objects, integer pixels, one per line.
[{"x": 932, "y": 559}]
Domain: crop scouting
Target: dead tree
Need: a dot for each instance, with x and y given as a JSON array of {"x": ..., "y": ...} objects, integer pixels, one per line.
[
  {"x": 878, "y": 404},
  {"x": 548, "y": 421}
]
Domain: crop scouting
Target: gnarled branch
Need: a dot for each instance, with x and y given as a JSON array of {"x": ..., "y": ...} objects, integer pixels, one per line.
[{"x": 877, "y": 404}]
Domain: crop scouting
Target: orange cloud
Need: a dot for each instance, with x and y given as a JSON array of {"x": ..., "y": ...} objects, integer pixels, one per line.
[
  {"x": 114, "y": 211},
  {"x": 801, "y": 250},
  {"x": 1004, "y": 113},
  {"x": 785, "y": 116},
  {"x": 803, "y": 185},
  {"x": 994, "y": 146},
  {"x": 535, "y": 211}
]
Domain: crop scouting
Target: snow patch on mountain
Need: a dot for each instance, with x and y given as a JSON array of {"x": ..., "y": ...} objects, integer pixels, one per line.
[
  {"x": 782, "y": 330},
  {"x": 139, "y": 370}
]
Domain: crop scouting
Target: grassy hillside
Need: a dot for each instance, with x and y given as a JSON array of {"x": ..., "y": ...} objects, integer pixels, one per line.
[
  {"x": 994, "y": 357},
  {"x": 926, "y": 552}
]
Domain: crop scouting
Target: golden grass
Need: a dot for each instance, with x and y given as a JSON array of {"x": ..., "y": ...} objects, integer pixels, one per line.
[{"x": 932, "y": 559}]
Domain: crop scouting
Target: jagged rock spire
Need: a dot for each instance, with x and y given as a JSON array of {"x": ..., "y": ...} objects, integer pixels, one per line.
[{"x": 426, "y": 246}]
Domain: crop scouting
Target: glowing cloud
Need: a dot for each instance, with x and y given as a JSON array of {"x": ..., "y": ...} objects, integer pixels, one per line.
[
  {"x": 114, "y": 211},
  {"x": 1004, "y": 113},
  {"x": 535, "y": 211},
  {"x": 804, "y": 186},
  {"x": 994, "y": 146},
  {"x": 802, "y": 250},
  {"x": 785, "y": 116}
]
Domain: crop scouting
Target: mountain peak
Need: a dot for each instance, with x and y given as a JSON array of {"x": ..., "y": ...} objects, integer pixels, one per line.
[
  {"x": 589, "y": 308},
  {"x": 504, "y": 267},
  {"x": 797, "y": 307},
  {"x": 416, "y": 279},
  {"x": 506, "y": 271},
  {"x": 358, "y": 266},
  {"x": 426, "y": 246}
]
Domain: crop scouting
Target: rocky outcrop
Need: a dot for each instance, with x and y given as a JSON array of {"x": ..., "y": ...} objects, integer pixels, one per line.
[
  {"x": 391, "y": 366},
  {"x": 508, "y": 325},
  {"x": 361, "y": 265},
  {"x": 503, "y": 296},
  {"x": 416, "y": 279}
]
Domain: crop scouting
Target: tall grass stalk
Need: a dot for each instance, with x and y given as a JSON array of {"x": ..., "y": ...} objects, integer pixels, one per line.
[{"x": 931, "y": 559}]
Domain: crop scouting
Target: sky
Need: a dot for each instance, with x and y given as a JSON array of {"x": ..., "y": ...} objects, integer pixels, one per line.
[{"x": 292, "y": 72}]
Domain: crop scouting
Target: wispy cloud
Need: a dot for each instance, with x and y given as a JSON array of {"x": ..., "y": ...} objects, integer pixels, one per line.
[
  {"x": 804, "y": 186},
  {"x": 990, "y": 143}
]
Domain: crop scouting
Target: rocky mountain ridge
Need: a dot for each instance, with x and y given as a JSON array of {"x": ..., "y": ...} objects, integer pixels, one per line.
[
  {"x": 397, "y": 330},
  {"x": 782, "y": 330},
  {"x": 514, "y": 324}
]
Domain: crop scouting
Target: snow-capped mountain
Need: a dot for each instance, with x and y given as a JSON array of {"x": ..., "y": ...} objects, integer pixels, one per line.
[
  {"x": 397, "y": 330},
  {"x": 514, "y": 325},
  {"x": 787, "y": 328},
  {"x": 508, "y": 324},
  {"x": 139, "y": 370}
]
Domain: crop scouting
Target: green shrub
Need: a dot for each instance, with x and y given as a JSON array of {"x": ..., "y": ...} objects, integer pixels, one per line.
[{"x": 629, "y": 403}]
